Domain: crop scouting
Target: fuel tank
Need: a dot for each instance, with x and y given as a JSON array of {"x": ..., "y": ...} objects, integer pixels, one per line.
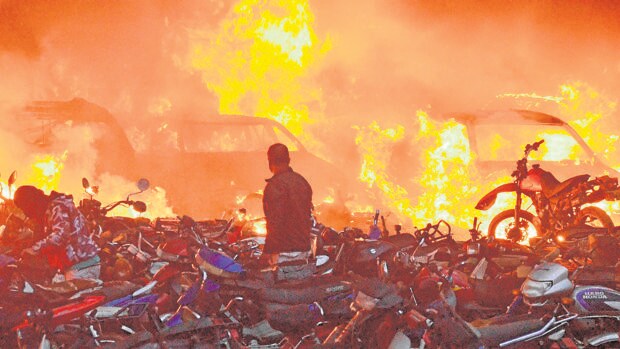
[
  {"x": 596, "y": 298},
  {"x": 545, "y": 281},
  {"x": 533, "y": 181}
]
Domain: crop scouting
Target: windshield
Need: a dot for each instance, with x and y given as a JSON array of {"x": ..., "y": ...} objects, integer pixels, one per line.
[{"x": 507, "y": 142}]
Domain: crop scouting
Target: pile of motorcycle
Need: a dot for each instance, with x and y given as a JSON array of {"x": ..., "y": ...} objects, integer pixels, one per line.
[{"x": 175, "y": 282}]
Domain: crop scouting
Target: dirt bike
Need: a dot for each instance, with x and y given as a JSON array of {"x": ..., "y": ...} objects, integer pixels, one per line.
[{"x": 558, "y": 205}]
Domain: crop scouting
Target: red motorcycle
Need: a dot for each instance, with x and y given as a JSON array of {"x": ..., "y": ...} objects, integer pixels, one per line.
[{"x": 558, "y": 205}]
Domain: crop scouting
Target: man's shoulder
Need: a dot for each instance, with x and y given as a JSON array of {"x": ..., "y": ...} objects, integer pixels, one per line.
[{"x": 292, "y": 174}]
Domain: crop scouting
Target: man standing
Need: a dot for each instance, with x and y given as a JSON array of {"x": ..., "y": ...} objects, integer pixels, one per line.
[{"x": 287, "y": 204}]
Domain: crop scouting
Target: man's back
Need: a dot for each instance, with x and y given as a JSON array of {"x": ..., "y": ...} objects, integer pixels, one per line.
[{"x": 287, "y": 203}]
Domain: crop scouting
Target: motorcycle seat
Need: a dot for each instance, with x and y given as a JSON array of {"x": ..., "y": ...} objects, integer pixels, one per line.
[
  {"x": 551, "y": 189},
  {"x": 317, "y": 288},
  {"x": 494, "y": 334}
]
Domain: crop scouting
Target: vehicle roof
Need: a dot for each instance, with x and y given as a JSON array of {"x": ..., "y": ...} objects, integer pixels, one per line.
[
  {"x": 511, "y": 116},
  {"x": 221, "y": 119},
  {"x": 77, "y": 109},
  {"x": 181, "y": 122}
]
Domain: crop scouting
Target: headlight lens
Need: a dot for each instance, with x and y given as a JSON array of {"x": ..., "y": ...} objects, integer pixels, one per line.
[{"x": 473, "y": 248}]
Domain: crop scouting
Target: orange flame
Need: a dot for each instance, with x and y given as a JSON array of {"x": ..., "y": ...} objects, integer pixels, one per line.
[
  {"x": 375, "y": 146},
  {"x": 46, "y": 171},
  {"x": 257, "y": 61}
]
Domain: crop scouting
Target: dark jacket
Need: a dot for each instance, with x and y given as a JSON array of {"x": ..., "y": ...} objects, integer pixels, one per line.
[
  {"x": 68, "y": 240},
  {"x": 287, "y": 204}
]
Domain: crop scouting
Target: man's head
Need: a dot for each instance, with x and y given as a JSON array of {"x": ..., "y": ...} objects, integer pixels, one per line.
[
  {"x": 278, "y": 157},
  {"x": 31, "y": 200}
]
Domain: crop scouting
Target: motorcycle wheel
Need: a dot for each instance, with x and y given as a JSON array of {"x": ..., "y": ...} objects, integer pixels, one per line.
[
  {"x": 504, "y": 221},
  {"x": 594, "y": 217}
]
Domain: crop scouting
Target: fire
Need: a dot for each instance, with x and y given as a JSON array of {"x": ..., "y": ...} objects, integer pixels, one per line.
[
  {"x": 556, "y": 147},
  {"x": 449, "y": 185},
  {"x": 260, "y": 227},
  {"x": 329, "y": 199},
  {"x": 257, "y": 62},
  {"x": 6, "y": 191},
  {"x": 590, "y": 113},
  {"x": 46, "y": 171},
  {"x": 446, "y": 162},
  {"x": 375, "y": 146}
]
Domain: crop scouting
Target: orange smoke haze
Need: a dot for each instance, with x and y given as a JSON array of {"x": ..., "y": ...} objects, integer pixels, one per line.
[{"x": 327, "y": 70}]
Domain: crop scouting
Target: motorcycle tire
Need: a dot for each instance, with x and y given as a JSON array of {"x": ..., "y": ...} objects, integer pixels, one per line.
[
  {"x": 506, "y": 216},
  {"x": 589, "y": 214}
]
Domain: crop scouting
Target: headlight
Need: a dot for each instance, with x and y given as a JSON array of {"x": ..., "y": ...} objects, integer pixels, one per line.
[{"x": 473, "y": 248}]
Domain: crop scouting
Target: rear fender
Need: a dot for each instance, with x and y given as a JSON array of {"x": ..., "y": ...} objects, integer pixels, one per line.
[{"x": 488, "y": 200}]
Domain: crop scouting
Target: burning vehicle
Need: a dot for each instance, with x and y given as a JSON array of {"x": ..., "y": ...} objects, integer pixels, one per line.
[
  {"x": 211, "y": 164},
  {"x": 86, "y": 135},
  {"x": 564, "y": 181},
  {"x": 498, "y": 137},
  {"x": 460, "y": 157}
]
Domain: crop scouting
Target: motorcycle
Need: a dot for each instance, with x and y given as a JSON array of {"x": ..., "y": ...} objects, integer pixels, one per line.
[
  {"x": 589, "y": 293},
  {"x": 496, "y": 268},
  {"x": 98, "y": 217},
  {"x": 36, "y": 315},
  {"x": 127, "y": 243},
  {"x": 558, "y": 205}
]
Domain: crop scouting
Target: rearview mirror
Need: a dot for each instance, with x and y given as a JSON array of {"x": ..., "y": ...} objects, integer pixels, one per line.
[{"x": 143, "y": 184}]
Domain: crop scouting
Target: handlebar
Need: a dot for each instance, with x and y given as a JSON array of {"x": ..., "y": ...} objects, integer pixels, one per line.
[
  {"x": 521, "y": 171},
  {"x": 534, "y": 146},
  {"x": 139, "y": 206},
  {"x": 432, "y": 232}
]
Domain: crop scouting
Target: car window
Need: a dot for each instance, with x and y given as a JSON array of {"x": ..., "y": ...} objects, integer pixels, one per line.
[
  {"x": 156, "y": 138},
  {"x": 57, "y": 135},
  {"x": 507, "y": 142}
]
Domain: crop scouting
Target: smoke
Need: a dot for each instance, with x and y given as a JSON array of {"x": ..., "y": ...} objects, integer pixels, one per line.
[
  {"x": 461, "y": 55},
  {"x": 386, "y": 59}
]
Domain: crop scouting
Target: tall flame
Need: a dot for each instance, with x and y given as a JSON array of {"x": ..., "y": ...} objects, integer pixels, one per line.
[
  {"x": 258, "y": 62},
  {"x": 447, "y": 170},
  {"x": 374, "y": 145},
  {"x": 449, "y": 185}
]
